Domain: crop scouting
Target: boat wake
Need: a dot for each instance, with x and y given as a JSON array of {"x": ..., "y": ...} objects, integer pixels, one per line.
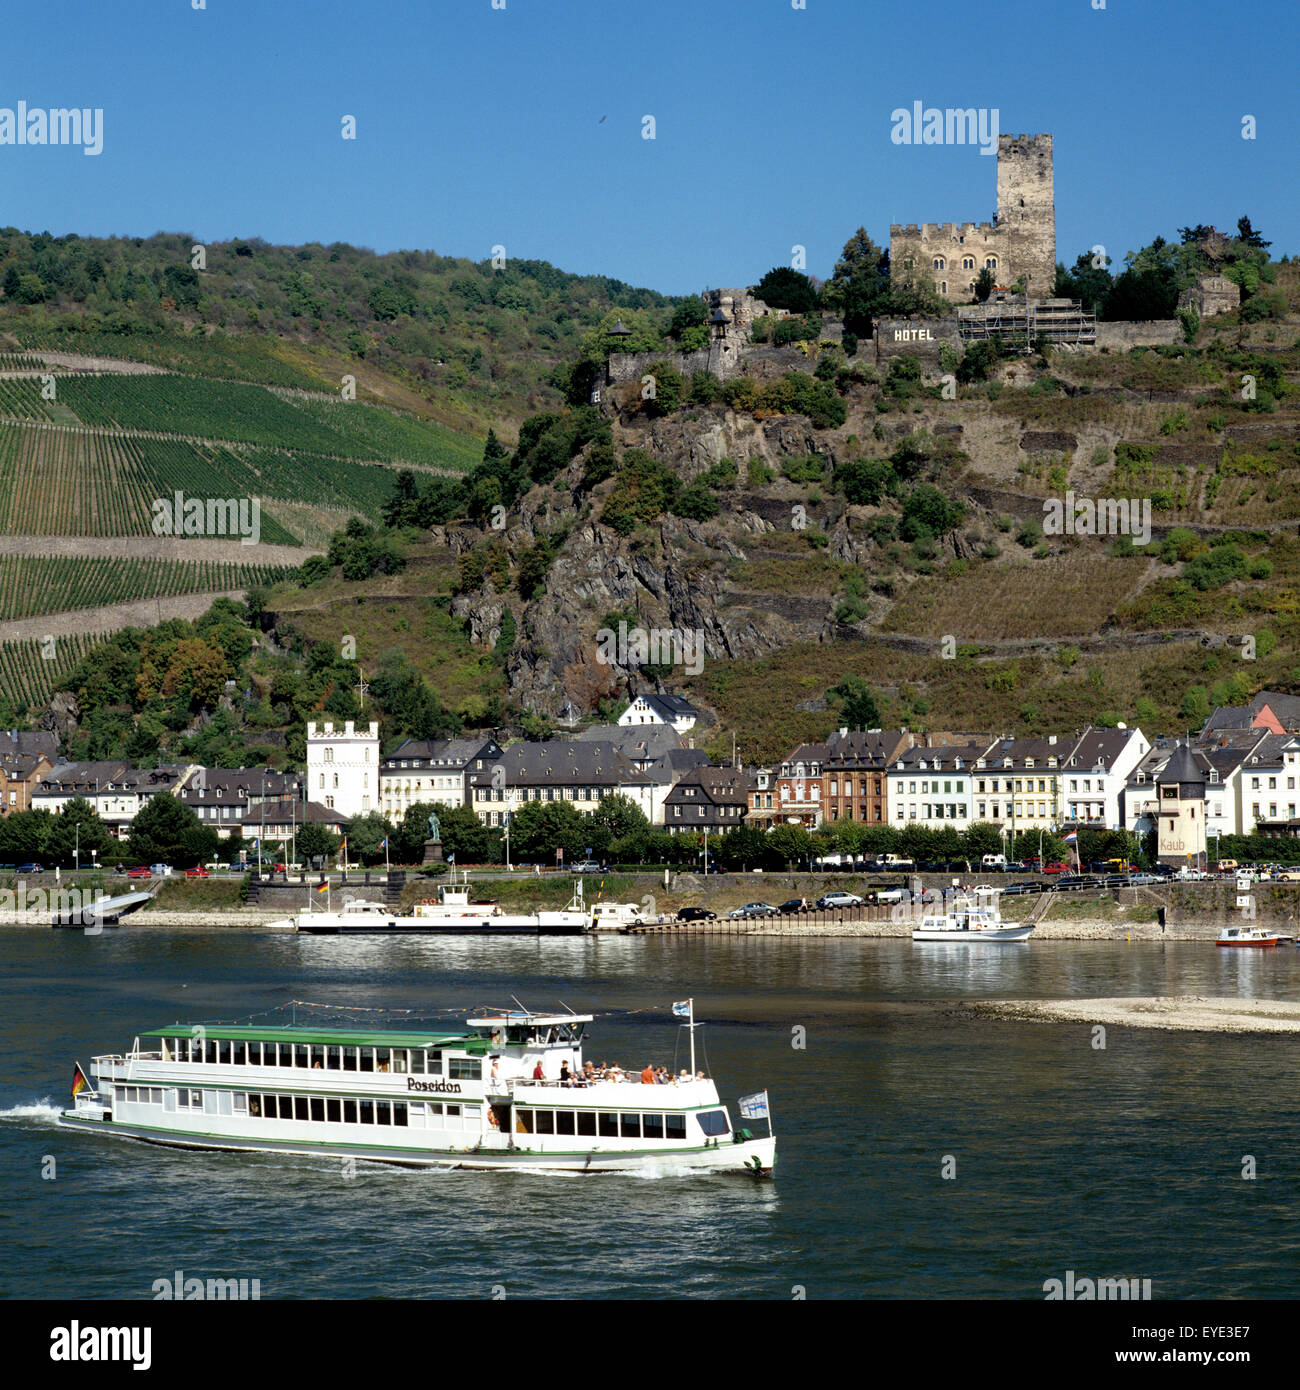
[{"x": 35, "y": 1110}]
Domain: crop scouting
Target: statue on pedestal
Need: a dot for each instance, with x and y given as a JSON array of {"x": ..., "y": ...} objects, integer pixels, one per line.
[{"x": 433, "y": 841}]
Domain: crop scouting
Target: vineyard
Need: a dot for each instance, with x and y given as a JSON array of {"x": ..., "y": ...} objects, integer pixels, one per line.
[
  {"x": 20, "y": 399},
  {"x": 61, "y": 483},
  {"x": 226, "y": 410},
  {"x": 30, "y": 587},
  {"x": 259, "y": 360},
  {"x": 31, "y": 671}
]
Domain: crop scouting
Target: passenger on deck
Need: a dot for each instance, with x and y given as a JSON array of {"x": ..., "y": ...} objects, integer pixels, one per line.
[
  {"x": 648, "y": 1075},
  {"x": 684, "y": 1077},
  {"x": 566, "y": 1076},
  {"x": 661, "y": 1076},
  {"x": 588, "y": 1073},
  {"x": 538, "y": 1073}
]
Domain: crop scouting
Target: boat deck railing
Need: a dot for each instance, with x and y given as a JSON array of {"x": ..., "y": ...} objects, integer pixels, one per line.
[{"x": 121, "y": 1058}]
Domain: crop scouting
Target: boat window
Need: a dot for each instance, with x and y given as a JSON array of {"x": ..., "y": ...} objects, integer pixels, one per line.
[
  {"x": 238, "y": 1053},
  {"x": 399, "y": 1059},
  {"x": 545, "y": 1121},
  {"x": 587, "y": 1122},
  {"x": 223, "y": 1053},
  {"x": 209, "y": 1102},
  {"x": 302, "y": 1055},
  {"x": 255, "y": 1106},
  {"x": 653, "y": 1126},
  {"x": 317, "y": 1057},
  {"x": 714, "y": 1122},
  {"x": 349, "y": 1112},
  {"x": 383, "y": 1112},
  {"x": 417, "y": 1062},
  {"x": 465, "y": 1069},
  {"x": 212, "y": 1052},
  {"x": 169, "y": 1100},
  {"x": 240, "y": 1102},
  {"x": 454, "y": 1110},
  {"x": 435, "y": 1109},
  {"x": 674, "y": 1126},
  {"x": 399, "y": 1112},
  {"x": 349, "y": 1059},
  {"x": 632, "y": 1126},
  {"x": 224, "y": 1106},
  {"x": 317, "y": 1107},
  {"x": 301, "y": 1108},
  {"x": 255, "y": 1054},
  {"x": 333, "y": 1110},
  {"x": 367, "y": 1058},
  {"x": 416, "y": 1107},
  {"x": 564, "y": 1122},
  {"x": 267, "y": 1051},
  {"x": 607, "y": 1125},
  {"x": 523, "y": 1121},
  {"x": 333, "y": 1059},
  {"x": 367, "y": 1112}
]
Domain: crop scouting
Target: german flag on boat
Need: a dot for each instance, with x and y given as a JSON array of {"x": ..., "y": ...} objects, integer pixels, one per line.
[{"x": 80, "y": 1082}]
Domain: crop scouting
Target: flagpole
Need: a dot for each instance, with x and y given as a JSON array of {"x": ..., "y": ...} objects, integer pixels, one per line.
[{"x": 690, "y": 1004}]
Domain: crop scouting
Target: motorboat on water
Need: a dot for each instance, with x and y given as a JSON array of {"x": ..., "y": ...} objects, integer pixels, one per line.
[
  {"x": 1248, "y": 937},
  {"x": 505, "y": 1091},
  {"x": 971, "y": 920}
]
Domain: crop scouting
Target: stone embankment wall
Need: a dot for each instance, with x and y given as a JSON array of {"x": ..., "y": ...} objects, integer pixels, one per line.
[{"x": 1146, "y": 333}]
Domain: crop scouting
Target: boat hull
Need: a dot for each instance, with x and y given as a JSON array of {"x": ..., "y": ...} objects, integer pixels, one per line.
[
  {"x": 993, "y": 935},
  {"x": 756, "y": 1157},
  {"x": 452, "y": 926},
  {"x": 1250, "y": 945}
]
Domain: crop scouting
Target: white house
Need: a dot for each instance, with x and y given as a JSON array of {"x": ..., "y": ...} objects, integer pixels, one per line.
[
  {"x": 648, "y": 708},
  {"x": 343, "y": 767}
]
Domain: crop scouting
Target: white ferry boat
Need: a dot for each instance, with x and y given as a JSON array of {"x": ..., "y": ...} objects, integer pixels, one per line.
[
  {"x": 451, "y": 912},
  {"x": 971, "y": 921},
  {"x": 502, "y": 1093}
]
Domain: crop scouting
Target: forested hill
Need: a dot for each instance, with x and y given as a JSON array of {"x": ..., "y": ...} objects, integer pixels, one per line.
[{"x": 476, "y": 342}]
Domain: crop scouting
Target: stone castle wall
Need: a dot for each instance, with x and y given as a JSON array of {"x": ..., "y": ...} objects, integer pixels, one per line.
[
  {"x": 1122, "y": 335},
  {"x": 1212, "y": 294},
  {"x": 1021, "y": 242},
  {"x": 920, "y": 337}
]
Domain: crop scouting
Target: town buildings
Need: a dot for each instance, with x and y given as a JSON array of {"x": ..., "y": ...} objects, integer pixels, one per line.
[{"x": 343, "y": 767}]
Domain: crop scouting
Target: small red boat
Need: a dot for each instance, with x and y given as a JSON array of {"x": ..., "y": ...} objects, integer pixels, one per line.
[{"x": 1247, "y": 936}]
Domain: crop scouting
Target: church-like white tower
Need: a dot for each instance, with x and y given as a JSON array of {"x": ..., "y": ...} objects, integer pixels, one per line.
[{"x": 343, "y": 767}]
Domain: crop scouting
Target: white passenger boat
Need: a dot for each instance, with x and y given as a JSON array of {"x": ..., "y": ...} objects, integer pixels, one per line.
[
  {"x": 499, "y": 1093},
  {"x": 450, "y": 912},
  {"x": 1250, "y": 937},
  {"x": 973, "y": 921}
]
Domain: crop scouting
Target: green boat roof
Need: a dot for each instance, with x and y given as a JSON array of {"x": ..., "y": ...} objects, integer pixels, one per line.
[{"x": 326, "y": 1037}]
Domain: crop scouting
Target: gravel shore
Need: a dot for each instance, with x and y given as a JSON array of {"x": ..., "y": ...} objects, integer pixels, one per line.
[{"x": 1176, "y": 1013}]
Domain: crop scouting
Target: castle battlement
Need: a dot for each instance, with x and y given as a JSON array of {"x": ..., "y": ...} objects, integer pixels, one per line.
[{"x": 1020, "y": 241}]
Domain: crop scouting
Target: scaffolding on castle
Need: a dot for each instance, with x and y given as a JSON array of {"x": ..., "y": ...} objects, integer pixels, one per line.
[{"x": 1013, "y": 317}]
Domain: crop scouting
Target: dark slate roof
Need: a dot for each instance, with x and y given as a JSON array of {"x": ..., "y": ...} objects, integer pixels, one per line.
[
  {"x": 718, "y": 786},
  {"x": 674, "y": 763},
  {"x": 452, "y": 752},
  {"x": 563, "y": 764},
  {"x": 862, "y": 748},
  {"x": 642, "y": 743},
  {"x": 1229, "y": 717},
  {"x": 1286, "y": 707},
  {"x": 1182, "y": 767},
  {"x": 34, "y": 744},
  {"x": 668, "y": 707}
]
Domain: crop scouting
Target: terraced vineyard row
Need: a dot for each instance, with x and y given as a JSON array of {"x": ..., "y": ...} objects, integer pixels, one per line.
[
  {"x": 224, "y": 410},
  {"x": 59, "y": 483},
  {"x": 20, "y": 398},
  {"x": 243, "y": 358},
  {"x": 31, "y": 586},
  {"x": 31, "y": 671}
]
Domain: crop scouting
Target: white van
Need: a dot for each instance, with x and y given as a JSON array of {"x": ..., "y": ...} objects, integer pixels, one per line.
[{"x": 994, "y": 861}]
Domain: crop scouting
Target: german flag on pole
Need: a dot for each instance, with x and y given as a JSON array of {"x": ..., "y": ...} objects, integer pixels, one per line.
[
  {"x": 80, "y": 1082},
  {"x": 321, "y": 887}
]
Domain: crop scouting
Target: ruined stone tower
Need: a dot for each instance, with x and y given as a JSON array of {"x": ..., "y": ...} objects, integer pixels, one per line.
[
  {"x": 1027, "y": 211},
  {"x": 1022, "y": 241}
]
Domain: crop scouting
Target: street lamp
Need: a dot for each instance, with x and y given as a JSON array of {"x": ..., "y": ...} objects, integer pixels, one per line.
[{"x": 76, "y": 853}]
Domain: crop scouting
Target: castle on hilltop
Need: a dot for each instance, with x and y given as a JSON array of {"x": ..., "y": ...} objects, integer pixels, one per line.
[{"x": 1020, "y": 241}]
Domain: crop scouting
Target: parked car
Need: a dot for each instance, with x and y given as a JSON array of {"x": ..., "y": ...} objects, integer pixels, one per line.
[
  {"x": 198, "y": 872},
  {"x": 758, "y": 910},
  {"x": 1017, "y": 866},
  {"x": 1055, "y": 869},
  {"x": 30, "y": 869},
  {"x": 160, "y": 870},
  {"x": 792, "y": 905},
  {"x": 1287, "y": 875},
  {"x": 834, "y": 900},
  {"x": 139, "y": 872},
  {"x": 1024, "y": 886},
  {"x": 588, "y": 866},
  {"x": 695, "y": 914},
  {"x": 885, "y": 895}
]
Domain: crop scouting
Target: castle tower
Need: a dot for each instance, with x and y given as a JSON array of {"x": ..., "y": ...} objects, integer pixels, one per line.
[
  {"x": 343, "y": 767},
  {"x": 1180, "y": 810},
  {"x": 1027, "y": 212}
]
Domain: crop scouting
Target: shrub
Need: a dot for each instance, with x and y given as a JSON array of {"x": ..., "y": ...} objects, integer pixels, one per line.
[
  {"x": 928, "y": 513},
  {"x": 1215, "y": 568},
  {"x": 864, "y": 482},
  {"x": 850, "y": 344},
  {"x": 757, "y": 473},
  {"x": 1260, "y": 569},
  {"x": 851, "y": 610},
  {"x": 809, "y": 468}
]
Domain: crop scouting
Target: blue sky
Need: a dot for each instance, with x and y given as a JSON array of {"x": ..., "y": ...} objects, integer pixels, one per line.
[{"x": 478, "y": 127}]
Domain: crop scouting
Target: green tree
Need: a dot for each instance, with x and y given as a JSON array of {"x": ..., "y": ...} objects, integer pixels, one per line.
[
  {"x": 366, "y": 835},
  {"x": 858, "y": 289},
  {"x": 166, "y": 831},
  {"x": 857, "y": 705},
  {"x": 315, "y": 842},
  {"x": 792, "y": 844},
  {"x": 77, "y": 824},
  {"x": 783, "y": 288}
]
